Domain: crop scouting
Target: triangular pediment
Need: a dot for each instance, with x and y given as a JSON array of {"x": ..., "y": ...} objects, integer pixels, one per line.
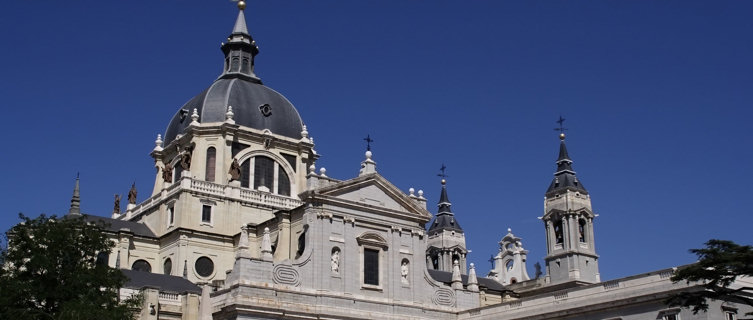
[{"x": 374, "y": 191}]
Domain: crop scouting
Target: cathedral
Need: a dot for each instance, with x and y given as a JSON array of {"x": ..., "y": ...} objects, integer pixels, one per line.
[{"x": 241, "y": 224}]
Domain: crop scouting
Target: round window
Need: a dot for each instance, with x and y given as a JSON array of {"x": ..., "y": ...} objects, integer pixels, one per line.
[
  {"x": 141, "y": 265},
  {"x": 204, "y": 266},
  {"x": 168, "y": 267}
]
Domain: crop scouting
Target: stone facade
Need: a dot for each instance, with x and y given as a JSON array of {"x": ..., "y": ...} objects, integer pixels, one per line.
[{"x": 239, "y": 209}]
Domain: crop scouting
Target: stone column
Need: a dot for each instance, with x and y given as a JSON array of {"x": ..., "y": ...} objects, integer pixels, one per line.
[{"x": 282, "y": 252}]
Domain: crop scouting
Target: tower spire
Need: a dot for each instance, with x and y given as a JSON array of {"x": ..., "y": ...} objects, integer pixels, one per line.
[
  {"x": 240, "y": 50},
  {"x": 446, "y": 249},
  {"x": 564, "y": 177},
  {"x": 75, "y": 199}
]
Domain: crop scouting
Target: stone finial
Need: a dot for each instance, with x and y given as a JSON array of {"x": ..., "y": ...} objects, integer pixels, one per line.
[
  {"x": 243, "y": 242},
  {"x": 368, "y": 165},
  {"x": 305, "y": 134},
  {"x": 472, "y": 280},
  {"x": 266, "y": 246},
  {"x": 457, "y": 280},
  {"x": 158, "y": 143},
  {"x": 509, "y": 230},
  {"x": 312, "y": 168},
  {"x": 195, "y": 117},
  {"x": 322, "y": 172},
  {"x": 229, "y": 115},
  {"x": 420, "y": 194},
  {"x": 411, "y": 192}
]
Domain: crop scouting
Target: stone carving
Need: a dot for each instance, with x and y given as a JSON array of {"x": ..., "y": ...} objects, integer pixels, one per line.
[
  {"x": 538, "y": 273},
  {"x": 167, "y": 173},
  {"x": 185, "y": 159},
  {"x": 404, "y": 268},
  {"x": 131, "y": 194},
  {"x": 243, "y": 242},
  {"x": 285, "y": 274},
  {"x": 235, "y": 171},
  {"x": 335, "y": 260},
  {"x": 116, "y": 205},
  {"x": 443, "y": 297}
]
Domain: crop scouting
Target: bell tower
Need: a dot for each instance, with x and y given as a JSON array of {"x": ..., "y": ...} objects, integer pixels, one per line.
[{"x": 568, "y": 219}]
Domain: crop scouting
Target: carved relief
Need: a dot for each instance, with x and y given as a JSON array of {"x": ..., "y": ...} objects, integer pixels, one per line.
[
  {"x": 284, "y": 274},
  {"x": 443, "y": 297}
]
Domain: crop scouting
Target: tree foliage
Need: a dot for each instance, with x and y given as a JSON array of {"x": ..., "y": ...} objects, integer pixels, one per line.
[
  {"x": 718, "y": 266},
  {"x": 51, "y": 272}
]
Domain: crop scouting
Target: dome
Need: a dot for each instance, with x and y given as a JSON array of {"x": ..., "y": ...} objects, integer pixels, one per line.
[{"x": 254, "y": 106}]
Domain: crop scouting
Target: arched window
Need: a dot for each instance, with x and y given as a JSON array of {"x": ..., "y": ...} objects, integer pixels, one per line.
[
  {"x": 301, "y": 244},
  {"x": 582, "y": 230},
  {"x": 267, "y": 175},
  {"x": 141, "y": 265},
  {"x": 211, "y": 160},
  {"x": 509, "y": 265},
  {"x": 167, "y": 267}
]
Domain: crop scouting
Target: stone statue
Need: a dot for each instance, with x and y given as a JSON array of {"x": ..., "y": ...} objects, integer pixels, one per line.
[
  {"x": 538, "y": 270},
  {"x": 336, "y": 261},
  {"x": 131, "y": 195},
  {"x": 185, "y": 159},
  {"x": 116, "y": 206},
  {"x": 235, "y": 171},
  {"x": 404, "y": 272},
  {"x": 167, "y": 173}
]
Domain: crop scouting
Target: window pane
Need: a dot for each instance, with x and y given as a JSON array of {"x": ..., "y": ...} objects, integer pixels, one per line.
[
  {"x": 211, "y": 160},
  {"x": 206, "y": 213},
  {"x": 283, "y": 182},
  {"x": 245, "y": 173},
  {"x": 263, "y": 172},
  {"x": 371, "y": 267}
]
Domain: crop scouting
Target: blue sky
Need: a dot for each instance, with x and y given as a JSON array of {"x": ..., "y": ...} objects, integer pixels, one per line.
[{"x": 657, "y": 96}]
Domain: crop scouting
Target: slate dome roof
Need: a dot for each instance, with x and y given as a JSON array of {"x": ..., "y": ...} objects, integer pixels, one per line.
[{"x": 254, "y": 105}]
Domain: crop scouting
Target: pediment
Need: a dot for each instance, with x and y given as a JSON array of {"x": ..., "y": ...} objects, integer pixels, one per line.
[{"x": 374, "y": 191}]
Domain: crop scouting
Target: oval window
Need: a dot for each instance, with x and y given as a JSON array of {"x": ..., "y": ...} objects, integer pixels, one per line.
[{"x": 204, "y": 266}]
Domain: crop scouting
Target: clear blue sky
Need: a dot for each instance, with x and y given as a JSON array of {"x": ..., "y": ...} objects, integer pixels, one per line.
[{"x": 658, "y": 96}]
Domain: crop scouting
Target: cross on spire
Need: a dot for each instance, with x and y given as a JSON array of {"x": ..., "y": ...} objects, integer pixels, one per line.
[
  {"x": 561, "y": 129},
  {"x": 368, "y": 142},
  {"x": 442, "y": 172}
]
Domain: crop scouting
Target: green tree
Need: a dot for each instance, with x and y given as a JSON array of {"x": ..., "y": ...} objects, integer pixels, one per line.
[
  {"x": 51, "y": 271},
  {"x": 718, "y": 266}
]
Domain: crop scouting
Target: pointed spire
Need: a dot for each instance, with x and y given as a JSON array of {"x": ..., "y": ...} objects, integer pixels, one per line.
[
  {"x": 444, "y": 201},
  {"x": 75, "y": 199},
  {"x": 445, "y": 219},
  {"x": 472, "y": 279},
  {"x": 185, "y": 269},
  {"x": 564, "y": 177},
  {"x": 457, "y": 280},
  {"x": 240, "y": 50}
]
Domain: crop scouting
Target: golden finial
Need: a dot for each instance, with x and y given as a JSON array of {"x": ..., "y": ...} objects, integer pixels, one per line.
[
  {"x": 562, "y": 136},
  {"x": 242, "y": 5}
]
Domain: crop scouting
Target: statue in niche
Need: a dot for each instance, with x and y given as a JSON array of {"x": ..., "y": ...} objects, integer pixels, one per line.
[
  {"x": 404, "y": 272},
  {"x": 335, "y": 260},
  {"x": 235, "y": 171},
  {"x": 116, "y": 205},
  {"x": 167, "y": 173},
  {"x": 185, "y": 159},
  {"x": 131, "y": 195}
]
